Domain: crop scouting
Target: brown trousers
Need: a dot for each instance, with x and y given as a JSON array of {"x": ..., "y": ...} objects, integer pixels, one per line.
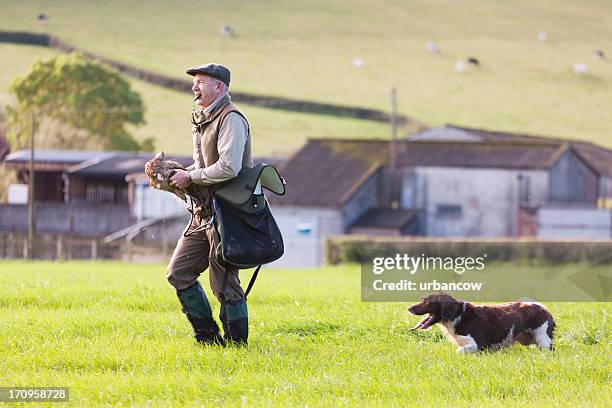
[{"x": 194, "y": 253}]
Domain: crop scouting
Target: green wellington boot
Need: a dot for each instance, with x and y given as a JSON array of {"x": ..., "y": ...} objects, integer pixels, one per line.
[
  {"x": 235, "y": 319},
  {"x": 199, "y": 313}
]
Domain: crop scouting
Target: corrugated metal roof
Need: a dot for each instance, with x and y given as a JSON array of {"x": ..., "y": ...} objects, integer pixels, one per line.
[
  {"x": 597, "y": 157},
  {"x": 489, "y": 155},
  {"x": 494, "y": 135},
  {"x": 121, "y": 164},
  {"x": 86, "y": 162},
  {"x": 445, "y": 133},
  {"x": 107, "y": 163},
  {"x": 324, "y": 173},
  {"x": 56, "y": 156}
]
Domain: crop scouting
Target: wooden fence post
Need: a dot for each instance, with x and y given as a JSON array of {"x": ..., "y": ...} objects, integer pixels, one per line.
[
  {"x": 94, "y": 249},
  {"x": 59, "y": 245}
]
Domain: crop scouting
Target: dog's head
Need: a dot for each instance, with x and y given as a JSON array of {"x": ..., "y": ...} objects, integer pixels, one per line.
[{"x": 439, "y": 307}]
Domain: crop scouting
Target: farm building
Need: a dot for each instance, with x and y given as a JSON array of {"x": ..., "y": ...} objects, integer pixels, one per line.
[
  {"x": 78, "y": 193},
  {"x": 448, "y": 182},
  {"x": 102, "y": 199}
]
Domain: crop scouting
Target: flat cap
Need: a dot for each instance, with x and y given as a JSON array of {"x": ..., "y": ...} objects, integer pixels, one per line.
[{"x": 213, "y": 70}]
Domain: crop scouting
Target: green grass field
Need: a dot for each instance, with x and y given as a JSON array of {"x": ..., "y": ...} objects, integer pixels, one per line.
[
  {"x": 114, "y": 334},
  {"x": 305, "y": 50}
]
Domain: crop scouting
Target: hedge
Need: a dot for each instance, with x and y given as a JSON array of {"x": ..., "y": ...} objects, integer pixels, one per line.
[{"x": 360, "y": 249}]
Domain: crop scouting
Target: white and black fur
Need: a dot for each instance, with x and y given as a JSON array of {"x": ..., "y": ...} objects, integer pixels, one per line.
[{"x": 474, "y": 328}]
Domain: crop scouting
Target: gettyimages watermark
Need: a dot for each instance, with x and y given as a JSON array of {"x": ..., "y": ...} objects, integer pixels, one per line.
[
  {"x": 413, "y": 264},
  {"x": 407, "y": 278}
]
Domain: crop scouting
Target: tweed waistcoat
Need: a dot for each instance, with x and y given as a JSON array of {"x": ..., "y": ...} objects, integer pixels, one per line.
[{"x": 205, "y": 133}]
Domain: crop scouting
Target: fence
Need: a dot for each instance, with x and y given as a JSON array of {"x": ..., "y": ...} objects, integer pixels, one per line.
[
  {"x": 88, "y": 231},
  {"x": 54, "y": 247},
  {"x": 65, "y": 248},
  {"x": 73, "y": 219}
]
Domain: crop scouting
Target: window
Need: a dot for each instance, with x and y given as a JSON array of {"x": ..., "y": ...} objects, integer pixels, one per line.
[
  {"x": 448, "y": 210},
  {"x": 103, "y": 192}
]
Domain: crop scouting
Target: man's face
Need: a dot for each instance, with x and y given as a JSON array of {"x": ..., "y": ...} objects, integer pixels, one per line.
[{"x": 205, "y": 89}]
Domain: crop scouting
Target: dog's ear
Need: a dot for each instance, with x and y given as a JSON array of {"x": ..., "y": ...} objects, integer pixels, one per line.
[{"x": 449, "y": 309}]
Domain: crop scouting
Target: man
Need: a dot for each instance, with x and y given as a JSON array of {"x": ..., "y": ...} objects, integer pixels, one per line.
[{"x": 221, "y": 148}]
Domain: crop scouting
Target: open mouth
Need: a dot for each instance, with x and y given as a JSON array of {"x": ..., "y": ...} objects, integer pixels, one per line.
[
  {"x": 426, "y": 322},
  {"x": 197, "y": 97}
]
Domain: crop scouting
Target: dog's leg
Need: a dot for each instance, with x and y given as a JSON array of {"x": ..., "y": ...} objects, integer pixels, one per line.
[
  {"x": 541, "y": 336},
  {"x": 468, "y": 345}
]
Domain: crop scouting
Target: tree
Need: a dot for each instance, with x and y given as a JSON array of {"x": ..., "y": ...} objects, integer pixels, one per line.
[{"x": 81, "y": 97}]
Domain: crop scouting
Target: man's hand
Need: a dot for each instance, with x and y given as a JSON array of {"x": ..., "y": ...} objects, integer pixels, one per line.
[{"x": 180, "y": 179}]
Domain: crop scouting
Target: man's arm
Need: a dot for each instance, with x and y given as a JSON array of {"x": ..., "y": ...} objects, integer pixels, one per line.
[{"x": 230, "y": 145}]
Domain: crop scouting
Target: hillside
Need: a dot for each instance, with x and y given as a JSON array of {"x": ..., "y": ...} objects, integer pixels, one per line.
[
  {"x": 275, "y": 133},
  {"x": 305, "y": 50}
]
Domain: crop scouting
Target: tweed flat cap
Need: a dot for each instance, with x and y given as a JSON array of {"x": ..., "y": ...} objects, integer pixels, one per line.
[{"x": 213, "y": 70}]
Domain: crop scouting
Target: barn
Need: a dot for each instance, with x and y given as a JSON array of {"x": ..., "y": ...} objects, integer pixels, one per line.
[{"x": 449, "y": 181}]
